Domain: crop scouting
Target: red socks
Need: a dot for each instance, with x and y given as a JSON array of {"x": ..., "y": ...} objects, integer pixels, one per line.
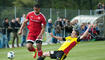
[
  {"x": 40, "y": 53},
  {"x": 31, "y": 49}
]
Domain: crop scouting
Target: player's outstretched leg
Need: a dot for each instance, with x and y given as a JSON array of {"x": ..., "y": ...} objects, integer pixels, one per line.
[{"x": 58, "y": 55}]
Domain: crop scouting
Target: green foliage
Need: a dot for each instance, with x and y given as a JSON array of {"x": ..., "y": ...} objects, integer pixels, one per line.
[
  {"x": 7, "y": 12},
  {"x": 71, "y": 4},
  {"x": 24, "y": 3},
  {"x": 6, "y": 3}
]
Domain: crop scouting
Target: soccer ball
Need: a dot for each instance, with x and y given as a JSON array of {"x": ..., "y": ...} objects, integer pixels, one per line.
[{"x": 10, "y": 55}]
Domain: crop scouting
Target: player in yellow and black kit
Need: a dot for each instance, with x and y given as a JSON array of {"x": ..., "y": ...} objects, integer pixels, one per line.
[{"x": 69, "y": 43}]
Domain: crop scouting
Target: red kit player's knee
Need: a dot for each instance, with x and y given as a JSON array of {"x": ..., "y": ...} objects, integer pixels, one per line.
[
  {"x": 31, "y": 49},
  {"x": 39, "y": 41}
]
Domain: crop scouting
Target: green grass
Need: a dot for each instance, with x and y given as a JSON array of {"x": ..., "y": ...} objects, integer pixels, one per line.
[{"x": 83, "y": 51}]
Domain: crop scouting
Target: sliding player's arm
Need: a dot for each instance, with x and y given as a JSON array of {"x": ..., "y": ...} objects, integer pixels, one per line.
[
  {"x": 85, "y": 33},
  {"x": 56, "y": 37},
  {"x": 22, "y": 26}
]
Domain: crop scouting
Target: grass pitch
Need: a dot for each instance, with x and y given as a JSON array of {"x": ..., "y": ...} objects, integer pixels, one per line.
[{"x": 83, "y": 51}]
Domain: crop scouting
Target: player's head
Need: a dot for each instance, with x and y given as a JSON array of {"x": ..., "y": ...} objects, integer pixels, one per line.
[
  {"x": 6, "y": 19},
  {"x": 13, "y": 20},
  {"x": 75, "y": 33},
  {"x": 17, "y": 19},
  {"x": 36, "y": 8}
]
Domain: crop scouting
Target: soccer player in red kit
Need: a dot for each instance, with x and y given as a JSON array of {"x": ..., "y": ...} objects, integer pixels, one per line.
[{"x": 37, "y": 23}]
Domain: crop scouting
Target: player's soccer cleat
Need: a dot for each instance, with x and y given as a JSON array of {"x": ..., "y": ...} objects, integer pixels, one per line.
[
  {"x": 41, "y": 58},
  {"x": 35, "y": 53}
]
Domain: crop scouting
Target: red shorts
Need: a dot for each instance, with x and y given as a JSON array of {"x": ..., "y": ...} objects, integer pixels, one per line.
[{"x": 32, "y": 36}]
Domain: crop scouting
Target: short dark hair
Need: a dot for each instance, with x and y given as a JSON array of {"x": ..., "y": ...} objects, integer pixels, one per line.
[
  {"x": 5, "y": 18},
  {"x": 77, "y": 32},
  {"x": 88, "y": 22},
  {"x": 37, "y": 5}
]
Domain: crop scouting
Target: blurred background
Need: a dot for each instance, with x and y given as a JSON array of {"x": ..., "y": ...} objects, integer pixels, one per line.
[{"x": 62, "y": 16}]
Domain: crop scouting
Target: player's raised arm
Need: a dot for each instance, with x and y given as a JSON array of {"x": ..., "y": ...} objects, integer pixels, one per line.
[
  {"x": 22, "y": 26},
  {"x": 56, "y": 37},
  {"x": 85, "y": 33}
]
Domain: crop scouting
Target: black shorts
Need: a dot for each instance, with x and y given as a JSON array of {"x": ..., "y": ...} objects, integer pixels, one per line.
[
  {"x": 37, "y": 41},
  {"x": 30, "y": 42},
  {"x": 58, "y": 55}
]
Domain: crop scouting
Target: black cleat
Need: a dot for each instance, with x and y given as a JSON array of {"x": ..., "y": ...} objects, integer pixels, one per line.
[{"x": 41, "y": 58}]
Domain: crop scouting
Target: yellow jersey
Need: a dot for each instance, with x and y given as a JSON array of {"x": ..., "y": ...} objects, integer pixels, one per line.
[{"x": 68, "y": 44}]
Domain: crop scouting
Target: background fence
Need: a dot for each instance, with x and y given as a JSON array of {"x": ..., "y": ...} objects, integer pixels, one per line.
[{"x": 13, "y": 12}]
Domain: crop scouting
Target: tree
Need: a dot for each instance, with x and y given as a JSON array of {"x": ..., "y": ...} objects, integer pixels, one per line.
[
  {"x": 6, "y": 3},
  {"x": 24, "y": 3},
  {"x": 70, "y": 4}
]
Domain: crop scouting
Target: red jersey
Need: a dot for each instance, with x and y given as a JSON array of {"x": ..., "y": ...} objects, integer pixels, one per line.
[{"x": 35, "y": 21}]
